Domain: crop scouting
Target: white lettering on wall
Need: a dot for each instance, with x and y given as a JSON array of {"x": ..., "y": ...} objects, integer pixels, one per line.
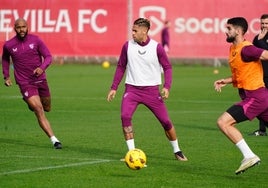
[
  {"x": 85, "y": 19},
  {"x": 208, "y": 25},
  {"x": 41, "y": 21}
]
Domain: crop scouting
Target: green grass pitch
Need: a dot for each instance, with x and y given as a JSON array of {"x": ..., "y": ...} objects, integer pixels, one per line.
[{"x": 90, "y": 130}]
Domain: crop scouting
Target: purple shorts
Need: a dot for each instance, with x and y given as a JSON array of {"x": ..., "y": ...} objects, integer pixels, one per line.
[
  {"x": 255, "y": 103},
  {"x": 148, "y": 96},
  {"x": 39, "y": 88}
]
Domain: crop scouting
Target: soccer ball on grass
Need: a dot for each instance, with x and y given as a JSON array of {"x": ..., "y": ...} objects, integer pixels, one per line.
[{"x": 135, "y": 159}]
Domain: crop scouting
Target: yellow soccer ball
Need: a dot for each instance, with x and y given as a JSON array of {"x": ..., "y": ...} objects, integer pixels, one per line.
[
  {"x": 135, "y": 159},
  {"x": 216, "y": 71},
  {"x": 105, "y": 64}
]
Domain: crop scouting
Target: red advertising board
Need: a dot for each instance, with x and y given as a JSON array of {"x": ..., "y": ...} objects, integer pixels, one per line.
[{"x": 100, "y": 27}]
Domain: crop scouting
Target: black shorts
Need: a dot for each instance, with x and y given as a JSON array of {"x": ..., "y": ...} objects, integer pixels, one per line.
[{"x": 237, "y": 112}]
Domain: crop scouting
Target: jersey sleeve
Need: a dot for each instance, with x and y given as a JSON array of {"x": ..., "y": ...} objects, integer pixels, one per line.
[
  {"x": 120, "y": 68},
  {"x": 44, "y": 51},
  {"x": 251, "y": 53},
  {"x": 5, "y": 62},
  {"x": 166, "y": 65}
]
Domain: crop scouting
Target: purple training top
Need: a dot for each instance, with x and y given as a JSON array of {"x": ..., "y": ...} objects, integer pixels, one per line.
[
  {"x": 27, "y": 55},
  {"x": 165, "y": 37}
]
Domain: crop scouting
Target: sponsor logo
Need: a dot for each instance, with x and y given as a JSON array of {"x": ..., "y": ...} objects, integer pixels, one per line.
[
  {"x": 192, "y": 25},
  {"x": 156, "y": 15},
  {"x": 141, "y": 53}
]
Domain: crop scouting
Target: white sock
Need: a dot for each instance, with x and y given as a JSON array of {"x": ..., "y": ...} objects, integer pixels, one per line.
[
  {"x": 244, "y": 148},
  {"x": 54, "y": 139},
  {"x": 130, "y": 144},
  {"x": 175, "y": 145}
]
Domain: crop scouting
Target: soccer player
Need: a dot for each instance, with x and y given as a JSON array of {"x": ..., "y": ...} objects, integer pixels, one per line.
[
  {"x": 261, "y": 41},
  {"x": 143, "y": 59},
  {"x": 165, "y": 38},
  {"x": 30, "y": 58},
  {"x": 247, "y": 76}
]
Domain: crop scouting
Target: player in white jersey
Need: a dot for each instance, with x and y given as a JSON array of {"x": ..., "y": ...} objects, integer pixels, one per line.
[{"x": 143, "y": 60}]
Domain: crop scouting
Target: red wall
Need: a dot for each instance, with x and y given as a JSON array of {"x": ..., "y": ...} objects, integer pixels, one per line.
[{"x": 100, "y": 27}]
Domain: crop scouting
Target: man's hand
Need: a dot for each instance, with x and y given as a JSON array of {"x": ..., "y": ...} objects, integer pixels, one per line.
[
  {"x": 38, "y": 71},
  {"x": 165, "y": 93},
  {"x": 218, "y": 84},
  {"x": 8, "y": 82},
  {"x": 262, "y": 33},
  {"x": 111, "y": 95}
]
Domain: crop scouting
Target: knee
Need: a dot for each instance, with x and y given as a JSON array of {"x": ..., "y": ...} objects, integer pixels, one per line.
[
  {"x": 167, "y": 125},
  {"x": 126, "y": 119},
  {"x": 221, "y": 124}
]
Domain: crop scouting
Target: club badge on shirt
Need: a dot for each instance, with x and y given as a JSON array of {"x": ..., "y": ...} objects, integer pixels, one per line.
[
  {"x": 26, "y": 94},
  {"x": 31, "y": 46}
]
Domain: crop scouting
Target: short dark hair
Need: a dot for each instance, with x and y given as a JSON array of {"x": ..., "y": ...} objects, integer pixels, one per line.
[
  {"x": 143, "y": 22},
  {"x": 264, "y": 16},
  {"x": 240, "y": 22}
]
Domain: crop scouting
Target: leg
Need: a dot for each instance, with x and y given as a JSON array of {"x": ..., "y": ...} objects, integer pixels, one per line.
[
  {"x": 35, "y": 104},
  {"x": 37, "y": 97},
  {"x": 157, "y": 106},
  {"x": 263, "y": 125},
  {"x": 46, "y": 103},
  {"x": 155, "y": 103},
  {"x": 128, "y": 106},
  {"x": 262, "y": 129},
  {"x": 226, "y": 124},
  {"x": 171, "y": 134},
  {"x": 128, "y": 132}
]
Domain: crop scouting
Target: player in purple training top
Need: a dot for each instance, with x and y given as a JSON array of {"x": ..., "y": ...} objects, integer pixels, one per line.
[
  {"x": 143, "y": 59},
  {"x": 165, "y": 38},
  {"x": 30, "y": 58}
]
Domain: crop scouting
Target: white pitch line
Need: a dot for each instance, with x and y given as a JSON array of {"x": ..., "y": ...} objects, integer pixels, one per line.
[
  {"x": 53, "y": 167},
  {"x": 44, "y": 157}
]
